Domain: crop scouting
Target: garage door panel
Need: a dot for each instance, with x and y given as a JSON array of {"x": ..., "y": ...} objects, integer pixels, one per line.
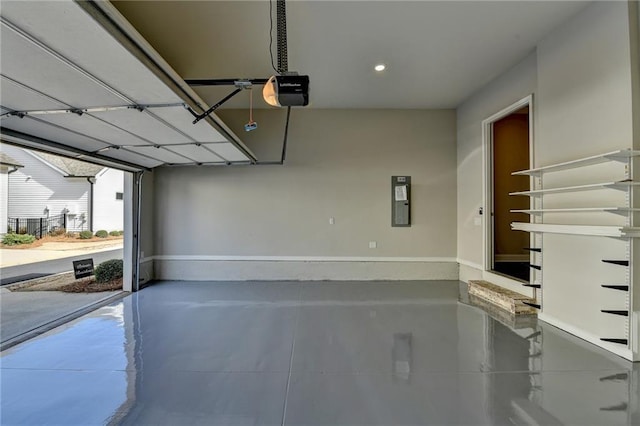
[
  {"x": 36, "y": 127},
  {"x": 18, "y": 98},
  {"x": 88, "y": 125},
  {"x": 25, "y": 62},
  {"x": 144, "y": 125},
  {"x": 183, "y": 120},
  {"x": 162, "y": 154},
  {"x": 199, "y": 153},
  {"x": 228, "y": 151},
  {"x": 131, "y": 157},
  {"x": 60, "y": 57},
  {"x": 78, "y": 42}
]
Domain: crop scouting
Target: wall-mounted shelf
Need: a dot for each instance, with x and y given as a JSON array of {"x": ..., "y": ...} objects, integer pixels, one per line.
[
  {"x": 616, "y": 262},
  {"x": 615, "y": 312},
  {"x": 623, "y": 406},
  {"x": 601, "y": 231},
  {"x": 617, "y": 210},
  {"x": 617, "y": 377},
  {"x": 620, "y": 155},
  {"x": 616, "y": 287},
  {"x": 622, "y": 185},
  {"x": 608, "y": 191},
  {"x": 618, "y": 341}
]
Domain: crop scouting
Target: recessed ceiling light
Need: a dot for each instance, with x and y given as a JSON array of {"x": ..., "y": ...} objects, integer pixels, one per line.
[{"x": 380, "y": 67}]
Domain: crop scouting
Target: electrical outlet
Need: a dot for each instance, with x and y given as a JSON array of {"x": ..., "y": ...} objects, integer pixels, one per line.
[
  {"x": 373, "y": 244},
  {"x": 332, "y": 221},
  {"x": 477, "y": 221}
]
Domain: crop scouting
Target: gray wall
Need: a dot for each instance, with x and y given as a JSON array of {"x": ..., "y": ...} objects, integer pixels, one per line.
[
  {"x": 581, "y": 79},
  {"x": 512, "y": 86},
  {"x": 339, "y": 164},
  {"x": 585, "y": 108},
  {"x": 584, "y": 86}
]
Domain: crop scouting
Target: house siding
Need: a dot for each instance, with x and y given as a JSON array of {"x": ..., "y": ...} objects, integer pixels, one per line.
[
  {"x": 4, "y": 190},
  {"x": 107, "y": 211},
  {"x": 37, "y": 185}
]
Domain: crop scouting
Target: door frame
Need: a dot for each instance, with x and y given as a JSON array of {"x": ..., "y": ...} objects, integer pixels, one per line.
[{"x": 487, "y": 190}]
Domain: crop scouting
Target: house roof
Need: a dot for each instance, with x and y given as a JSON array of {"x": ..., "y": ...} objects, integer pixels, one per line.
[
  {"x": 6, "y": 160},
  {"x": 70, "y": 167}
]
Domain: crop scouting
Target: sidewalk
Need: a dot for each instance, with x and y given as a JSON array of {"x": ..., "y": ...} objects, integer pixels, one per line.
[{"x": 54, "y": 250}]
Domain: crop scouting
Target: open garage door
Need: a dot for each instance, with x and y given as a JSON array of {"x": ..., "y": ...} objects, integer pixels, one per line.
[
  {"x": 76, "y": 75},
  {"x": 78, "y": 80}
]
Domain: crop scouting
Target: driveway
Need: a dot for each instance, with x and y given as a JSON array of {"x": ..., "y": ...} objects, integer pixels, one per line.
[
  {"x": 23, "y": 312},
  {"x": 52, "y": 258}
]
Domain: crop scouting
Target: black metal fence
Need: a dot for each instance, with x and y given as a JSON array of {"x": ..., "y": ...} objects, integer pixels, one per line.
[{"x": 37, "y": 226}]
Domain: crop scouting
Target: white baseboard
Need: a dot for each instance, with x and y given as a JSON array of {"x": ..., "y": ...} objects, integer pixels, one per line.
[
  {"x": 469, "y": 271},
  {"x": 591, "y": 338},
  {"x": 303, "y": 258},
  {"x": 146, "y": 269},
  {"x": 243, "y": 268},
  {"x": 470, "y": 264}
]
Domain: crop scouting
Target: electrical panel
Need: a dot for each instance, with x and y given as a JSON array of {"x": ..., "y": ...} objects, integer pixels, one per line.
[{"x": 400, "y": 201}]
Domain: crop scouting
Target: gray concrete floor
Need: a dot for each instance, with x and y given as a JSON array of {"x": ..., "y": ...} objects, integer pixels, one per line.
[
  {"x": 324, "y": 353},
  {"x": 21, "y": 312}
]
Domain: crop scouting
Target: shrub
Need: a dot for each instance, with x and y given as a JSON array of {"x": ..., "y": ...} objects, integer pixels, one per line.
[
  {"x": 71, "y": 235},
  {"x": 102, "y": 234},
  {"x": 57, "y": 232},
  {"x": 85, "y": 235},
  {"x": 114, "y": 233},
  {"x": 22, "y": 230},
  {"x": 109, "y": 270},
  {"x": 17, "y": 239}
]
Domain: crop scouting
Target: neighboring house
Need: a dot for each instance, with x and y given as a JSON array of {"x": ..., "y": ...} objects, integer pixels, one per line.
[
  {"x": 48, "y": 186},
  {"x": 7, "y": 166},
  {"x": 108, "y": 193}
]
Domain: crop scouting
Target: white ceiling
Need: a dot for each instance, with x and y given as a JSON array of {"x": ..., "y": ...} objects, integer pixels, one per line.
[
  {"x": 54, "y": 56},
  {"x": 438, "y": 52}
]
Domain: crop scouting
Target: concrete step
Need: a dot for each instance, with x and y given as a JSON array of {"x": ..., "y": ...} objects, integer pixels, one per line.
[{"x": 500, "y": 297}]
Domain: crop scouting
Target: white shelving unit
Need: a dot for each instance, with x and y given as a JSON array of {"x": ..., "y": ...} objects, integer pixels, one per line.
[
  {"x": 621, "y": 185},
  {"x": 622, "y": 155},
  {"x": 616, "y": 210},
  {"x": 599, "y": 231},
  {"x": 605, "y": 308}
]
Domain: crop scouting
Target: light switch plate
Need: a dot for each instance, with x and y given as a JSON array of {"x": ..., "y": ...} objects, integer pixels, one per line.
[{"x": 373, "y": 244}]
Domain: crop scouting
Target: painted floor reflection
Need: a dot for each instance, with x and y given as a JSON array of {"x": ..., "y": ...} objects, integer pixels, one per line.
[{"x": 385, "y": 353}]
